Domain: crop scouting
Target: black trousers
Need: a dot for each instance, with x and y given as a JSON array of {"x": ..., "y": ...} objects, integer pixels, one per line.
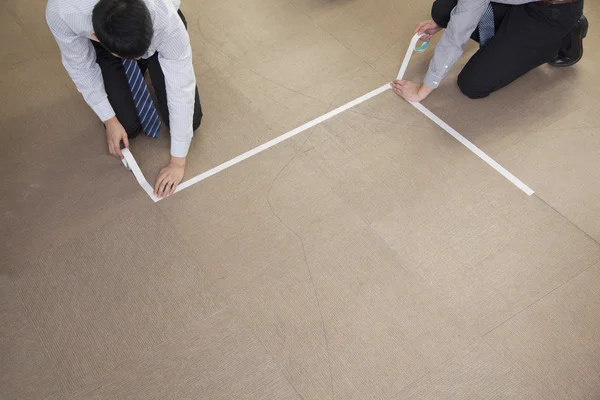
[
  {"x": 527, "y": 36},
  {"x": 119, "y": 92}
]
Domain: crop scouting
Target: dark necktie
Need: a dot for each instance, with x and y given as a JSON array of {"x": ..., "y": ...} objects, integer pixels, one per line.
[
  {"x": 486, "y": 26},
  {"x": 141, "y": 96}
]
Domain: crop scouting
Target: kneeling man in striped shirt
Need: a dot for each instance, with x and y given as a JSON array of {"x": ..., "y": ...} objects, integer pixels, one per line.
[{"x": 107, "y": 46}]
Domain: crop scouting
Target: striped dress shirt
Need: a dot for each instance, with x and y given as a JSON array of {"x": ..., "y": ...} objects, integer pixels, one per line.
[
  {"x": 463, "y": 21},
  {"x": 71, "y": 24}
]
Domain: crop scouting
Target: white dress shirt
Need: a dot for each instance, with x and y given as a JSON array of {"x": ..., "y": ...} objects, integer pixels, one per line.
[
  {"x": 464, "y": 20},
  {"x": 71, "y": 23}
]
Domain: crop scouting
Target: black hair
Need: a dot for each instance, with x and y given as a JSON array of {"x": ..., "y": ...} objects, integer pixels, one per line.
[{"x": 123, "y": 27}]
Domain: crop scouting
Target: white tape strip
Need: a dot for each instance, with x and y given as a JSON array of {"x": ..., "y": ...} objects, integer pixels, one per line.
[
  {"x": 133, "y": 166},
  {"x": 411, "y": 47},
  {"x": 281, "y": 138},
  {"x": 139, "y": 176},
  {"x": 478, "y": 152}
]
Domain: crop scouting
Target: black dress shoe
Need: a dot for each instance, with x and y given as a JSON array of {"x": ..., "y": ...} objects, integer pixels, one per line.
[{"x": 572, "y": 54}]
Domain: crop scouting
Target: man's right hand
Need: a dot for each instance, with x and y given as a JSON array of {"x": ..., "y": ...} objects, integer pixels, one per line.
[
  {"x": 428, "y": 29},
  {"x": 115, "y": 133}
]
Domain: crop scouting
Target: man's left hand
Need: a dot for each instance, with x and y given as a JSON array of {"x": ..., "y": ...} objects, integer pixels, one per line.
[
  {"x": 169, "y": 177},
  {"x": 410, "y": 90}
]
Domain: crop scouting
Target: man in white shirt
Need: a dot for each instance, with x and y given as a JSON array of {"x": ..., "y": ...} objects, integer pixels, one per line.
[
  {"x": 106, "y": 47},
  {"x": 516, "y": 36}
]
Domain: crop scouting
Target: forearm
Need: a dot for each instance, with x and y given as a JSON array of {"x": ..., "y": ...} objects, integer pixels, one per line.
[
  {"x": 175, "y": 57},
  {"x": 180, "y": 83},
  {"x": 112, "y": 121},
  {"x": 444, "y": 58},
  {"x": 463, "y": 21},
  {"x": 425, "y": 91},
  {"x": 180, "y": 161}
]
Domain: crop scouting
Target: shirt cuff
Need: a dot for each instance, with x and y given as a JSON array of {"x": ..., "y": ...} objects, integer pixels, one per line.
[
  {"x": 104, "y": 110},
  {"x": 180, "y": 149},
  {"x": 432, "y": 81}
]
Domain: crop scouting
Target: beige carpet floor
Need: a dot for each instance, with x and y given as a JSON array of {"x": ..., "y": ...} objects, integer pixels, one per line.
[{"x": 371, "y": 257}]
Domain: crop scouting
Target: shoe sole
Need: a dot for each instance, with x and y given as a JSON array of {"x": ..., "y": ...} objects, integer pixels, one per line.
[{"x": 584, "y": 33}]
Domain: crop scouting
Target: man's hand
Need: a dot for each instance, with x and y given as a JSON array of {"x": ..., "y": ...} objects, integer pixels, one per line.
[
  {"x": 115, "y": 133},
  {"x": 410, "y": 90},
  {"x": 169, "y": 177},
  {"x": 427, "y": 29}
]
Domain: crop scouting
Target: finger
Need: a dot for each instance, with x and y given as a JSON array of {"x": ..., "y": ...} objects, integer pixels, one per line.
[
  {"x": 170, "y": 188},
  {"x": 118, "y": 150},
  {"x": 125, "y": 141},
  {"x": 167, "y": 187},
  {"x": 167, "y": 191},
  {"x": 421, "y": 26},
  {"x": 175, "y": 184},
  {"x": 159, "y": 181},
  {"x": 426, "y": 27},
  {"x": 163, "y": 186}
]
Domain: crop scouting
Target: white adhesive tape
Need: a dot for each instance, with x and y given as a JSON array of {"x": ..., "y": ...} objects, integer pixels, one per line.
[
  {"x": 478, "y": 152},
  {"x": 409, "y": 52},
  {"x": 133, "y": 166},
  {"x": 281, "y": 138},
  {"x": 139, "y": 176}
]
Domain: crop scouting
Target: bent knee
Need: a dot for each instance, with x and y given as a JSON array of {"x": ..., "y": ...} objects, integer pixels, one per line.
[
  {"x": 440, "y": 13},
  {"x": 471, "y": 88},
  {"x": 133, "y": 129},
  {"x": 197, "y": 119},
  {"x": 196, "y": 124}
]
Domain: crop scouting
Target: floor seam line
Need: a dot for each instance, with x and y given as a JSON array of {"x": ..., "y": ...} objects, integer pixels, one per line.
[
  {"x": 592, "y": 265},
  {"x": 572, "y": 223},
  {"x": 325, "y": 336}
]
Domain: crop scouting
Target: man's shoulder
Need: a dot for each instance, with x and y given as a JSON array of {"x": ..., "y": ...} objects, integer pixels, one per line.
[
  {"x": 53, "y": 12},
  {"x": 169, "y": 3},
  {"x": 68, "y": 13},
  {"x": 61, "y": 7},
  {"x": 53, "y": 6}
]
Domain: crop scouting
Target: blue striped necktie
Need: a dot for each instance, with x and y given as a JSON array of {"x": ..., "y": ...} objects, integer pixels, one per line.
[
  {"x": 141, "y": 96},
  {"x": 487, "y": 27}
]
